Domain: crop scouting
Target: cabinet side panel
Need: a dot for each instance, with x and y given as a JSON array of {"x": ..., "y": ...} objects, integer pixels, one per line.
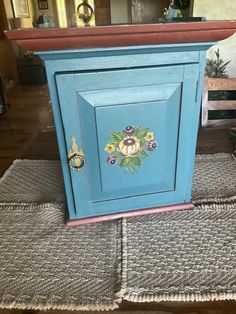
[
  {"x": 61, "y": 139},
  {"x": 188, "y": 130}
]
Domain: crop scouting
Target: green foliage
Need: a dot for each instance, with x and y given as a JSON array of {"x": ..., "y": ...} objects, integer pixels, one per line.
[
  {"x": 124, "y": 162},
  {"x": 141, "y": 133},
  {"x": 143, "y": 153},
  {"x": 217, "y": 67},
  {"x": 130, "y": 163},
  {"x": 117, "y": 136},
  {"x": 117, "y": 154},
  {"x": 136, "y": 161}
]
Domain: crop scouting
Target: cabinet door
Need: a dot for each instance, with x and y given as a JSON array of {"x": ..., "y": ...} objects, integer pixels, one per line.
[{"x": 125, "y": 127}]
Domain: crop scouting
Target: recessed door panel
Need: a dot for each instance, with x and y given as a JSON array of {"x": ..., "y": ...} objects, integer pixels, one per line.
[{"x": 132, "y": 147}]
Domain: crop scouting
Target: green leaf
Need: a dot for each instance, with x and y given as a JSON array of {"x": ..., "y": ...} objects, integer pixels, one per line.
[
  {"x": 137, "y": 130},
  {"x": 117, "y": 154},
  {"x": 114, "y": 143},
  {"x": 143, "y": 153},
  {"x": 143, "y": 143},
  {"x": 132, "y": 171},
  {"x": 124, "y": 162},
  {"x": 217, "y": 52},
  {"x": 141, "y": 133},
  {"x": 136, "y": 161},
  {"x": 117, "y": 136},
  {"x": 131, "y": 168}
]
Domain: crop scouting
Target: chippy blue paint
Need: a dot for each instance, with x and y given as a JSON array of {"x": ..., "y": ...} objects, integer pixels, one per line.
[{"x": 96, "y": 91}]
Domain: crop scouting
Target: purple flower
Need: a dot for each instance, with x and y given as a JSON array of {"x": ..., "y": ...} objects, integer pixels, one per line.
[
  {"x": 111, "y": 160},
  {"x": 129, "y": 131},
  {"x": 152, "y": 145}
]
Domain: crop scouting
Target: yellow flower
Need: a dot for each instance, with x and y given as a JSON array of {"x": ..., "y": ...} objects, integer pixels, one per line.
[
  {"x": 149, "y": 136},
  {"x": 109, "y": 148}
]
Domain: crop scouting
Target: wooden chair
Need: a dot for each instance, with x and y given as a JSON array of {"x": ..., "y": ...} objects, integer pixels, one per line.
[{"x": 217, "y": 84}]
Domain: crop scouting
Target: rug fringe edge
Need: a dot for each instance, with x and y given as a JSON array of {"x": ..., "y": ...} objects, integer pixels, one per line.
[
  {"x": 180, "y": 297},
  {"x": 15, "y": 205},
  {"x": 124, "y": 259},
  {"x": 220, "y": 200},
  {"x": 69, "y": 307}
]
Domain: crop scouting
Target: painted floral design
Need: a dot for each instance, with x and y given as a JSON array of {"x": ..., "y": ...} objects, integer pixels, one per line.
[{"x": 127, "y": 148}]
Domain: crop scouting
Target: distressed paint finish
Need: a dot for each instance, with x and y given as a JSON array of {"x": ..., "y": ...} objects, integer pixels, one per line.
[
  {"x": 90, "y": 97},
  {"x": 97, "y": 90}
]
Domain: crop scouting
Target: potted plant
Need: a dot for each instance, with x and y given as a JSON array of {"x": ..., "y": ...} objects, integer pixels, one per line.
[
  {"x": 216, "y": 67},
  {"x": 218, "y": 94}
]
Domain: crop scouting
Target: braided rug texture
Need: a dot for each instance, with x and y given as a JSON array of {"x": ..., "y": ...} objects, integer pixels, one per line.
[
  {"x": 33, "y": 181},
  {"x": 186, "y": 255},
  {"x": 43, "y": 263},
  {"x": 214, "y": 178}
]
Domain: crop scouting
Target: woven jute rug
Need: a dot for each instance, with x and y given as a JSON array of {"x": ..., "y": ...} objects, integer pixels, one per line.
[
  {"x": 182, "y": 256},
  {"x": 43, "y": 263},
  {"x": 187, "y": 255},
  {"x": 214, "y": 179}
]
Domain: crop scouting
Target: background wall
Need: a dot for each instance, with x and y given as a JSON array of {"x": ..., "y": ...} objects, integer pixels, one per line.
[
  {"x": 24, "y": 23},
  {"x": 215, "y": 9},
  {"x": 220, "y": 10},
  {"x": 119, "y": 11},
  {"x": 147, "y": 11},
  {"x": 137, "y": 11},
  {"x": 7, "y": 51}
]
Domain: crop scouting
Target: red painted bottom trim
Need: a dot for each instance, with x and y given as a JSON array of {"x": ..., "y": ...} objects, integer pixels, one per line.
[{"x": 133, "y": 213}]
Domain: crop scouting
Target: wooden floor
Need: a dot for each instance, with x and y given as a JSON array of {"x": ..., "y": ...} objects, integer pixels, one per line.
[
  {"x": 27, "y": 131},
  {"x": 27, "y": 128}
]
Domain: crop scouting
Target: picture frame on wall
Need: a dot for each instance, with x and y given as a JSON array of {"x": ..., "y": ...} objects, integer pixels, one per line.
[
  {"x": 43, "y": 4},
  {"x": 20, "y": 8}
]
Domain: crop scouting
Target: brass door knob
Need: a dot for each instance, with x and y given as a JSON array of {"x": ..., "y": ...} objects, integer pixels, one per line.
[{"x": 76, "y": 156}]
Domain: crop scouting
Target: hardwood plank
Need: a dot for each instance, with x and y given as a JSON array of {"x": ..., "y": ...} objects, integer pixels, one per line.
[
  {"x": 28, "y": 114},
  {"x": 42, "y": 146},
  {"x": 214, "y": 140},
  {"x": 213, "y": 307}
]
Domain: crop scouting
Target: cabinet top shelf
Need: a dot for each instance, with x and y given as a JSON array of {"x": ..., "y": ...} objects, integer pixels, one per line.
[{"x": 122, "y": 35}]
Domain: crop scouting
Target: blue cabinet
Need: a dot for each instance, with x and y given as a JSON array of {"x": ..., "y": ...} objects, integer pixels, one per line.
[{"x": 127, "y": 121}]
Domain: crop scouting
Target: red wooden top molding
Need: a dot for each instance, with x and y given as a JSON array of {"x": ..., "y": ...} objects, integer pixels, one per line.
[{"x": 123, "y": 35}]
